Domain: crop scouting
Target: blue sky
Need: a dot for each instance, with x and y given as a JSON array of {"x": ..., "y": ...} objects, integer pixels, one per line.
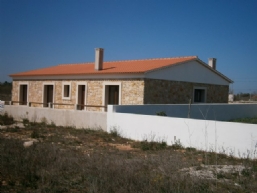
[{"x": 41, "y": 33}]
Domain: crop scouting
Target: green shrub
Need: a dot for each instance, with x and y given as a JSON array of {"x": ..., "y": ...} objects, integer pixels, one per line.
[
  {"x": 43, "y": 122},
  {"x": 246, "y": 172},
  {"x": 6, "y": 119},
  {"x": 52, "y": 124},
  {"x": 25, "y": 122},
  {"x": 150, "y": 145},
  {"x": 177, "y": 145},
  {"x": 190, "y": 149},
  {"x": 35, "y": 134},
  {"x": 115, "y": 132},
  {"x": 252, "y": 120},
  {"x": 161, "y": 113},
  {"x": 13, "y": 129}
]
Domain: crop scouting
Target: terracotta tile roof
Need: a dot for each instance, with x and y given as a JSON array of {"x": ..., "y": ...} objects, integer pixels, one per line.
[{"x": 115, "y": 67}]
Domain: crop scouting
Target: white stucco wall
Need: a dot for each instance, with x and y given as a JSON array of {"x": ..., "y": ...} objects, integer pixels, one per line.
[
  {"x": 188, "y": 72},
  {"x": 237, "y": 139},
  {"x": 222, "y": 112},
  {"x": 232, "y": 138},
  {"x": 60, "y": 117},
  {"x": 2, "y": 104}
]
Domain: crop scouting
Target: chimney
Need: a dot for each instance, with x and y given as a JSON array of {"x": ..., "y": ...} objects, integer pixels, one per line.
[
  {"x": 99, "y": 57},
  {"x": 212, "y": 63}
]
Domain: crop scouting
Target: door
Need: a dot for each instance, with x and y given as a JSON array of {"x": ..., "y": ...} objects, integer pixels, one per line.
[
  {"x": 113, "y": 96},
  {"x": 23, "y": 94},
  {"x": 81, "y": 97},
  {"x": 50, "y": 92},
  {"x": 48, "y": 95}
]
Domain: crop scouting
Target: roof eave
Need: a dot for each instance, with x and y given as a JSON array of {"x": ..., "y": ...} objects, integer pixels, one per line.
[{"x": 81, "y": 76}]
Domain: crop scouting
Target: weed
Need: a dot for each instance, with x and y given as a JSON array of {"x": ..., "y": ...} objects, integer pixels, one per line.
[
  {"x": 252, "y": 120},
  {"x": 161, "y": 113},
  {"x": 150, "y": 145},
  {"x": 25, "y": 122},
  {"x": 6, "y": 119},
  {"x": 52, "y": 125},
  {"x": 43, "y": 122},
  {"x": 115, "y": 132},
  {"x": 246, "y": 172},
  {"x": 13, "y": 129},
  {"x": 191, "y": 149},
  {"x": 177, "y": 145},
  {"x": 199, "y": 168},
  {"x": 35, "y": 134},
  {"x": 11, "y": 182},
  {"x": 220, "y": 175}
]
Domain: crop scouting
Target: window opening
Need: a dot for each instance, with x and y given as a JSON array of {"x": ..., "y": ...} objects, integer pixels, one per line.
[
  {"x": 199, "y": 95},
  {"x": 66, "y": 91},
  {"x": 113, "y": 95}
]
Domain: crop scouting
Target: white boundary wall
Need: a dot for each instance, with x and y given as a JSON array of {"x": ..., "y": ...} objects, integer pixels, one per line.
[
  {"x": 231, "y": 138},
  {"x": 60, "y": 117},
  {"x": 235, "y": 139},
  {"x": 1, "y": 106},
  {"x": 221, "y": 112}
]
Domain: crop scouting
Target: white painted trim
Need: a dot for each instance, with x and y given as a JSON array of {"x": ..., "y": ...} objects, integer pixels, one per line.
[
  {"x": 205, "y": 94},
  {"x": 44, "y": 84},
  {"x": 104, "y": 91},
  {"x": 77, "y": 90},
  {"x": 23, "y": 83},
  {"x": 65, "y": 84}
]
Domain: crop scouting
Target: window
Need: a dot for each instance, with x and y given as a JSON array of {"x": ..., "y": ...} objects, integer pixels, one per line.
[
  {"x": 199, "y": 95},
  {"x": 66, "y": 91}
]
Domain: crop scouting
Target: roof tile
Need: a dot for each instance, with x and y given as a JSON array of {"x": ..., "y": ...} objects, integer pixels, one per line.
[{"x": 114, "y": 67}]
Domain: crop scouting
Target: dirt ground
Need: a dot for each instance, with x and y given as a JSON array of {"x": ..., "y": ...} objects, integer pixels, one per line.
[{"x": 151, "y": 162}]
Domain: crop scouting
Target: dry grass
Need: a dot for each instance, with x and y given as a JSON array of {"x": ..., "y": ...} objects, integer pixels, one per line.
[
  {"x": 251, "y": 120},
  {"x": 70, "y": 160}
]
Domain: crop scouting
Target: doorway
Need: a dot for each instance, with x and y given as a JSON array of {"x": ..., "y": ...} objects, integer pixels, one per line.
[
  {"x": 81, "y": 97},
  {"x": 48, "y": 95},
  {"x": 112, "y": 93},
  {"x": 23, "y": 97}
]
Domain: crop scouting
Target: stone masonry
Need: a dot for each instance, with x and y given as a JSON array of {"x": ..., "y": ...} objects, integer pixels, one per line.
[
  {"x": 176, "y": 92},
  {"x": 132, "y": 92},
  {"x": 138, "y": 91}
]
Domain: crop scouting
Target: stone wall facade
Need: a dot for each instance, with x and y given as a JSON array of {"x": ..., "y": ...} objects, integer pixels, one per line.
[
  {"x": 176, "y": 92},
  {"x": 138, "y": 91},
  {"x": 15, "y": 90},
  {"x": 131, "y": 92}
]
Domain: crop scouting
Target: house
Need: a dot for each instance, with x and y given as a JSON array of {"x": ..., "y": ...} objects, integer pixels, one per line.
[{"x": 92, "y": 86}]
